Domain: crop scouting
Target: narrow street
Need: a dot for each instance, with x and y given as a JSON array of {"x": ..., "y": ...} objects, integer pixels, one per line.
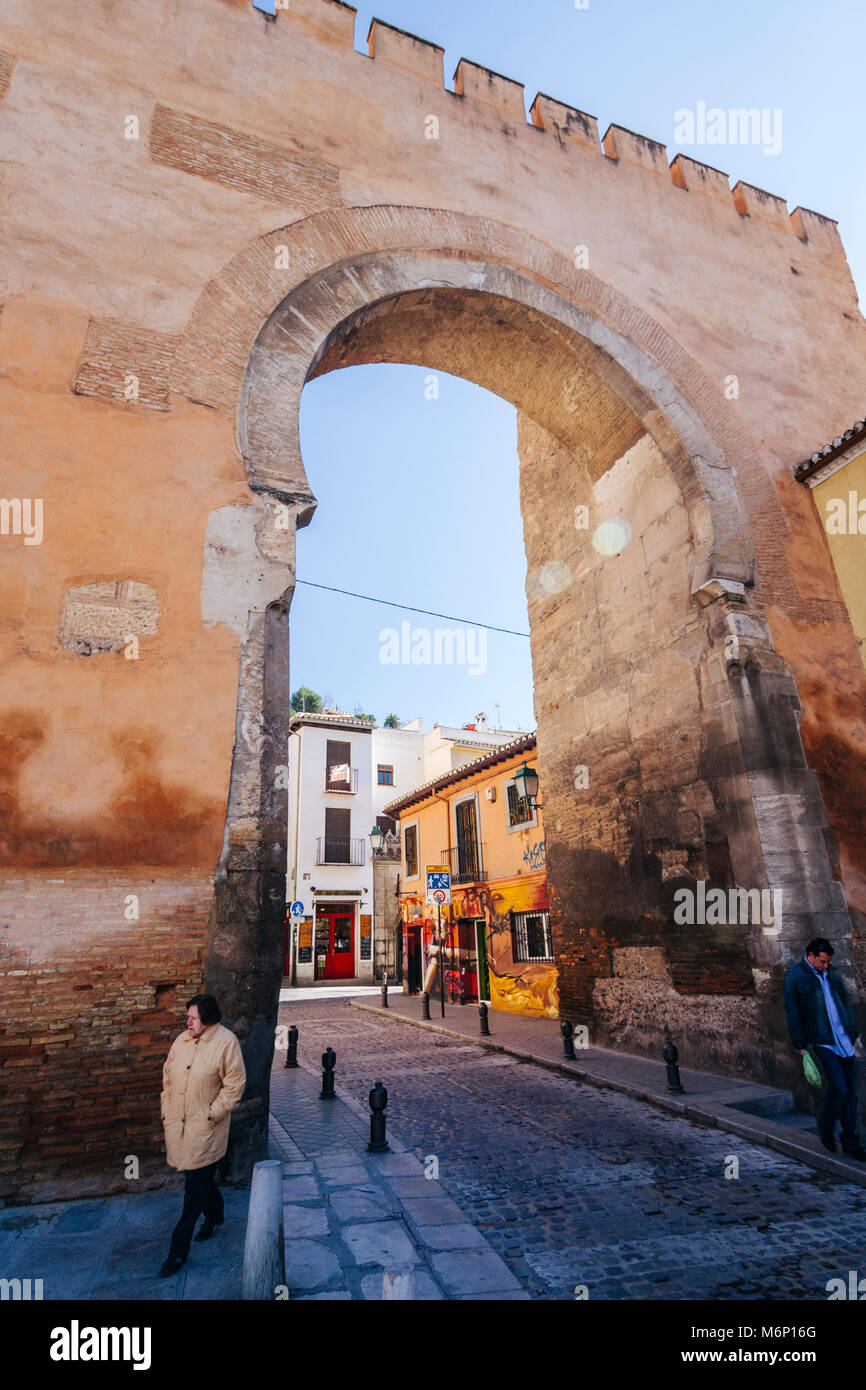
[{"x": 575, "y": 1186}]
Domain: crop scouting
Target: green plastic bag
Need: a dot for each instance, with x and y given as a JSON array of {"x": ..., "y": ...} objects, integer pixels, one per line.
[{"x": 811, "y": 1072}]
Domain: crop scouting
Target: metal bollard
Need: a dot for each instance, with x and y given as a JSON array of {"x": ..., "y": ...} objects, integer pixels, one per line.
[
  {"x": 292, "y": 1049},
  {"x": 329, "y": 1061},
  {"x": 670, "y": 1055},
  {"x": 385, "y": 989},
  {"x": 264, "y": 1269},
  {"x": 567, "y": 1030},
  {"x": 482, "y": 1015},
  {"x": 425, "y": 1005},
  {"x": 378, "y": 1100}
]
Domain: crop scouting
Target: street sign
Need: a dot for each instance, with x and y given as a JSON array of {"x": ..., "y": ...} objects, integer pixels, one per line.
[
  {"x": 297, "y": 909},
  {"x": 438, "y": 884}
]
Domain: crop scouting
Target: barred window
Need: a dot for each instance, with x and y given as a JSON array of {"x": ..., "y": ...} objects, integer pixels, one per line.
[
  {"x": 530, "y": 932},
  {"x": 520, "y": 808},
  {"x": 410, "y": 850}
]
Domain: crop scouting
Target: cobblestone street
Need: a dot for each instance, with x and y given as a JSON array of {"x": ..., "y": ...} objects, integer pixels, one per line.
[{"x": 576, "y": 1186}]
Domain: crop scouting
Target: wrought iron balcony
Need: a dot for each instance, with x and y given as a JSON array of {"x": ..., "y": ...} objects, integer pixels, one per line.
[
  {"x": 464, "y": 861},
  {"x": 338, "y": 849}
]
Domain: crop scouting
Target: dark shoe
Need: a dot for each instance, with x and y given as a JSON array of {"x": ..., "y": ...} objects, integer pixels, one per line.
[
  {"x": 859, "y": 1152},
  {"x": 172, "y": 1265},
  {"x": 828, "y": 1141},
  {"x": 207, "y": 1227}
]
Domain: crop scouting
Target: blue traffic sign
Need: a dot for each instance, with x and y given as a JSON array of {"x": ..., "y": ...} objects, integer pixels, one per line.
[{"x": 297, "y": 909}]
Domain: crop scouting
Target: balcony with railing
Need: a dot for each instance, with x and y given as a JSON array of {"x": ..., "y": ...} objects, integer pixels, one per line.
[
  {"x": 339, "y": 849},
  {"x": 464, "y": 861},
  {"x": 341, "y": 778}
]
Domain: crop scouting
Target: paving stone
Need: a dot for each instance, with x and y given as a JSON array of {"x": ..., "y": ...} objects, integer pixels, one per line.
[
  {"x": 460, "y": 1236},
  {"x": 498, "y": 1296},
  {"x": 304, "y": 1222},
  {"x": 298, "y": 1167},
  {"x": 415, "y": 1187},
  {"x": 347, "y": 1177},
  {"x": 300, "y": 1189},
  {"x": 351, "y": 1205},
  {"x": 139, "y": 1290},
  {"x": 397, "y": 1164},
  {"x": 424, "y": 1288},
  {"x": 327, "y": 1163},
  {"x": 382, "y": 1243},
  {"x": 310, "y": 1264},
  {"x": 432, "y": 1211},
  {"x": 467, "y": 1272},
  {"x": 339, "y": 1295},
  {"x": 86, "y": 1216}
]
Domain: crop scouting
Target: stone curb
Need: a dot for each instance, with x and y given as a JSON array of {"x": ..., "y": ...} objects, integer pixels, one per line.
[{"x": 713, "y": 1119}]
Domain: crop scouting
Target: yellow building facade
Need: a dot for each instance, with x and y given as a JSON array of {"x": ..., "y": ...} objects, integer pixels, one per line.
[
  {"x": 497, "y": 939},
  {"x": 837, "y": 477}
]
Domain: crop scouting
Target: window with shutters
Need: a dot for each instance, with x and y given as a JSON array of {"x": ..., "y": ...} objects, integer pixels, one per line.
[
  {"x": 338, "y": 842},
  {"x": 468, "y": 855},
  {"x": 410, "y": 850}
]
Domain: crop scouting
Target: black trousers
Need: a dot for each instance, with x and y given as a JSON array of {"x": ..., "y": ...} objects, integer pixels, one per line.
[
  {"x": 200, "y": 1194},
  {"x": 839, "y": 1096}
]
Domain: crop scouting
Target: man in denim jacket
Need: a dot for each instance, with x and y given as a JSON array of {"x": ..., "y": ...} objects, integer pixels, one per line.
[{"x": 819, "y": 1016}]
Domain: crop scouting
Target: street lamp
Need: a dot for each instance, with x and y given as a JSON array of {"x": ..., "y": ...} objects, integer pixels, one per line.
[
  {"x": 377, "y": 839},
  {"x": 526, "y": 783}
]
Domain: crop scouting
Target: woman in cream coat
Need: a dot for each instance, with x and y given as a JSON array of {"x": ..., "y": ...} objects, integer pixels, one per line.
[{"x": 202, "y": 1081}]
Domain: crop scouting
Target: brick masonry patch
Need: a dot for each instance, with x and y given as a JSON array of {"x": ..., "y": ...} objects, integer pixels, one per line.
[
  {"x": 240, "y": 161},
  {"x": 124, "y": 363},
  {"x": 7, "y": 63}
]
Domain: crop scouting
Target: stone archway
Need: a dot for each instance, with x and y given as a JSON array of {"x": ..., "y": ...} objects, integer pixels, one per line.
[{"x": 684, "y": 714}]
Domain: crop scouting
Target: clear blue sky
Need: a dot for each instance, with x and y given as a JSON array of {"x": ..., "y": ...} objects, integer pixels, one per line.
[{"x": 418, "y": 498}]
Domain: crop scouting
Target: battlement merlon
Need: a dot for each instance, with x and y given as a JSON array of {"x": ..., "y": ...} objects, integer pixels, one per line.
[{"x": 424, "y": 59}]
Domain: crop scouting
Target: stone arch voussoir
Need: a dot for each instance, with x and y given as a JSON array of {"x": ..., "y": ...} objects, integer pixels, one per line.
[{"x": 265, "y": 320}]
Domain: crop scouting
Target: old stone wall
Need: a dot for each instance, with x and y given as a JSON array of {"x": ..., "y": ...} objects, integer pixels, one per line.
[{"x": 202, "y": 208}]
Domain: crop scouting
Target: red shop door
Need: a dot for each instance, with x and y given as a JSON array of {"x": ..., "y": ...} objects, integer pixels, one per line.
[{"x": 340, "y": 959}]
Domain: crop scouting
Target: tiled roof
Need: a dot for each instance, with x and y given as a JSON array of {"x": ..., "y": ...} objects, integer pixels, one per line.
[
  {"x": 330, "y": 717},
  {"x": 836, "y": 446},
  {"x": 457, "y": 774}
]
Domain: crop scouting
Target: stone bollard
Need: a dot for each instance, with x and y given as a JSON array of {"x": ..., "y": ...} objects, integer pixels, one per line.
[
  {"x": 425, "y": 1005},
  {"x": 385, "y": 989},
  {"x": 567, "y": 1030},
  {"x": 482, "y": 1015},
  {"x": 399, "y": 1282},
  {"x": 264, "y": 1268},
  {"x": 329, "y": 1061},
  {"x": 378, "y": 1100},
  {"x": 292, "y": 1049},
  {"x": 670, "y": 1055}
]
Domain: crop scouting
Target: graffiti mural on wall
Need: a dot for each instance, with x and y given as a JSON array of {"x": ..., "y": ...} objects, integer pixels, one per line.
[{"x": 533, "y": 855}]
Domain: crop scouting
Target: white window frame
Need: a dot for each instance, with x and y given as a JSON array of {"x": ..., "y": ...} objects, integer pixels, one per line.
[
  {"x": 524, "y": 824},
  {"x": 534, "y": 960}
]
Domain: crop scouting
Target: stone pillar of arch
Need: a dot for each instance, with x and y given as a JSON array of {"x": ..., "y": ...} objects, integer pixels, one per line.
[{"x": 654, "y": 667}]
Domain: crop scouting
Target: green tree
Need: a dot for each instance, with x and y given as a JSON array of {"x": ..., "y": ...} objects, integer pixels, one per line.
[
  {"x": 306, "y": 701},
  {"x": 368, "y": 718},
  {"x": 392, "y": 722}
]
